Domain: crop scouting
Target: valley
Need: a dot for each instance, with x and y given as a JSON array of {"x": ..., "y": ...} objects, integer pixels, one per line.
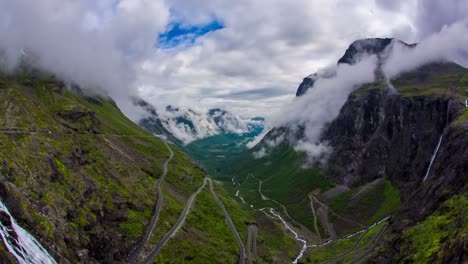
[{"x": 90, "y": 185}]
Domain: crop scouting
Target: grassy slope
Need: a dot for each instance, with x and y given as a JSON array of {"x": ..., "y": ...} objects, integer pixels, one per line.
[
  {"x": 284, "y": 179},
  {"x": 344, "y": 248},
  {"x": 212, "y": 152},
  {"x": 80, "y": 175},
  {"x": 374, "y": 202},
  {"x": 439, "y": 234},
  {"x": 444, "y": 80}
]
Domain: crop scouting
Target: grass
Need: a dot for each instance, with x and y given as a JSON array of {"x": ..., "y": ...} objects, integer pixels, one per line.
[
  {"x": 94, "y": 179},
  {"x": 212, "y": 152},
  {"x": 436, "y": 79},
  {"x": 364, "y": 89},
  {"x": 391, "y": 202},
  {"x": 367, "y": 204},
  {"x": 284, "y": 177},
  {"x": 343, "y": 247},
  {"x": 199, "y": 241},
  {"x": 462, "y": 118},
  {"x": 438, "y": 234}
]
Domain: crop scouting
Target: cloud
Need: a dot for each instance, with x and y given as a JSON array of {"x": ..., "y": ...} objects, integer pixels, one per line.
[
  {"x": 233, "y": 67},
  {"x": 433, "y": 15},
  {"x": 322, "y": 103},
  {"x": 447, "y": 45},
  {"x": 254, "y": 94},
  {"x": 92, "y": 43},
  {"x": 130, "y": 46},
  {"x": 260, "y": 154}
]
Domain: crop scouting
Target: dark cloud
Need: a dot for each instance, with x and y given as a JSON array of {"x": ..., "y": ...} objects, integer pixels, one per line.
[
  {"x": 261, "y": 93},
  {"x": 391, "y": 5}
]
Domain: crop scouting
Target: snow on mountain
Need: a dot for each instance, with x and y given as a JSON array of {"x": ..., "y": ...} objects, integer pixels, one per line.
[{"x": 187, "y": 125}]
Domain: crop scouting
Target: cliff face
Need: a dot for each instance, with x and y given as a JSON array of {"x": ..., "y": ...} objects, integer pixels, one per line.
[
  {"x": 379, "y": 134},
  {"x": 394, "y": 135}
]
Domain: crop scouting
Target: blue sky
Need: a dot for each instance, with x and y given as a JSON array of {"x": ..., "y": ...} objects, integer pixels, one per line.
[{"x": 179, "y": 34}]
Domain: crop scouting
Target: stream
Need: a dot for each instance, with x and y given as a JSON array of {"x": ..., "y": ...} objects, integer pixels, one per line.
[{"x": 296, "y": 236}]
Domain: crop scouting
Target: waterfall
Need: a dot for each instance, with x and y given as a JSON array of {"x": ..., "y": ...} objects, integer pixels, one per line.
[
  {"x": 19, "y": 243},
  {"x": 436, "y": 150},
  {"x": 432, "y": 159}
]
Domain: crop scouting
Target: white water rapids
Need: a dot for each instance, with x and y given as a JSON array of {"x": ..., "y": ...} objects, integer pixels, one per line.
[{"x": 19, "y": 243}]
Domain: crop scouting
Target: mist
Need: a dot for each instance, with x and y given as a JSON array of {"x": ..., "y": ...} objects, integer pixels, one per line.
[
  {"x": 95, "y": 44},
  {"x": 321, "y": 104},
  {"x": 450, "y": 44}
]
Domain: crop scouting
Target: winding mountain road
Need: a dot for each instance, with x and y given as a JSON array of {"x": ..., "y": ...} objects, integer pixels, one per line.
[
  {"x": 149, "y": 259},
  {"x": 132, "y": 257},
  {"x": 252, "y": 236},
  {"x": 229, "y": 223}
]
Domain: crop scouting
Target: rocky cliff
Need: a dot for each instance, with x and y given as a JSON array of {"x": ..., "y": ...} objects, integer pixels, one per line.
[
  {"x": 382, "y": 134},
  {"x": 413, "y": 132}
]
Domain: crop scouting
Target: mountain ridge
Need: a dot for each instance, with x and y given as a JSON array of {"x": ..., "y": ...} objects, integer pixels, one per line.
[{"x": 185, "y": 125}]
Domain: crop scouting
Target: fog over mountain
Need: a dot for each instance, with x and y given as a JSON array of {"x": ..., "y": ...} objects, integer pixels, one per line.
[
  {"x": 180, "y": 53},
  {"x": 321, "y": 103}
]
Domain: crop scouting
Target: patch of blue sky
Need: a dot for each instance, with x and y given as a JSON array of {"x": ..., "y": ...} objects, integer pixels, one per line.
[{"x": 178, "y": 34}]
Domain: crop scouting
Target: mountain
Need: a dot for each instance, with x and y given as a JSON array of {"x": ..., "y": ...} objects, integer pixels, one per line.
[
  {"x": 355, "y": 52},
  {"x": 185, "y": 125},
  {"x": 210, "y": 139},
  {"x": 79, "y": 183},
  {"x": 396, "y": 168}
]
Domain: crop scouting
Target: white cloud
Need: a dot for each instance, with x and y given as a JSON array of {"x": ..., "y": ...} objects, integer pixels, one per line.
[
  {"x": 92, "y": 43},
  {"x": 261, "y": 46},
  {"x": 266, "y": 44},
  {"x": 450, "y": 44},
  {"x": 322, "y": 103},
  {"x": 260, "y": 154}
]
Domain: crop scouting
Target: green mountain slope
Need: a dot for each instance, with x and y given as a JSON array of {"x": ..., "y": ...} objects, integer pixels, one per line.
[
  {"x": 213, "y": 152},
  {"x": 81, "y": 177}
]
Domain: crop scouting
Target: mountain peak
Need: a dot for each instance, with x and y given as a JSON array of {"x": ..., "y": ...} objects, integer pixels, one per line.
[
  {"x": 183, "y": 125},
  {"x": 363, "y": 47},
  {"x": 355, "y": 52}
]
